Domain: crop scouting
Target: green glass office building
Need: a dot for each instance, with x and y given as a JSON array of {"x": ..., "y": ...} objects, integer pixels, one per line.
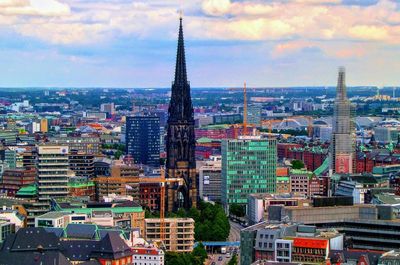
[{"x": 248, "y": 166}]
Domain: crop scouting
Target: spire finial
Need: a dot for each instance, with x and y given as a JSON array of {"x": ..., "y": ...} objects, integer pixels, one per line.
[{"x": 180, "y": 69}]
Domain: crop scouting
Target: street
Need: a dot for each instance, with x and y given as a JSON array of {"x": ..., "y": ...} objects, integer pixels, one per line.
[
  {"x": 215, "y": 258},
  {"x": 234, "y": 234}
]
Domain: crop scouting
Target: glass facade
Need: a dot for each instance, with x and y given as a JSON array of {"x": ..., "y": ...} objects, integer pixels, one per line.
[
  {"x": 248, "y": 166},
  {"x": 143, "y": 139}
]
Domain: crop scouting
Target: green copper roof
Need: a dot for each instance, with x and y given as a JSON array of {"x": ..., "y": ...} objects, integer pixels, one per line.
[
  {"x": 27, "y": 190},
  {"x": 216, "y": 126},
  {"x": 284, "y": 178},
  {"x": 81, "y": 185},
  {"x": 300, "y": 171},
  {"x": 205, "y": 140},
  {"x": 323, "y": 167},
  {"x": 117, "y": 210}
]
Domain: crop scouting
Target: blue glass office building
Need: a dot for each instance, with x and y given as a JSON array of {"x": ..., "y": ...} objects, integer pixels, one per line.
[{"x": 143, "y": 139}]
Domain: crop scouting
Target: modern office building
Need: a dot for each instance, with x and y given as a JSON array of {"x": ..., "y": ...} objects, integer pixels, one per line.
[
  {"x": 248, "y": 166},
  {"x": 85, "y": 144},
  {"x": 254, "y": 114},
  {"x": 343, "y": 137},
  {"x": 143, "y": 139},
  {"x": 81, "y": 164},
  {"x": 210, "y": 180},
  {"x": 179, "y": 236},
  {"x": 52, "y": 169}
]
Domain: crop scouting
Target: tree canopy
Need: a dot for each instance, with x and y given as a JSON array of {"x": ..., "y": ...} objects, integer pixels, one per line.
[
  {"x": 211, "y": 223},
  {"x": 297, "y": 164},
  {"x": 233, "y": 260},
  {"x": 237, "y": 210},
  {"x": 197, "y": 257}
]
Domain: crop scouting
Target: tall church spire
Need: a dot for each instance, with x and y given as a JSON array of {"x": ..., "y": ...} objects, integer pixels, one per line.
[
  {"x": 180, "y": 69},
  {"x": 181, "y": 141},
  {"x": 181, "y": 103}
]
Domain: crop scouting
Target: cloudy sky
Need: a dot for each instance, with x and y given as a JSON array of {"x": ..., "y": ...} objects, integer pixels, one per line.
[{"x": 132, "y": 43}]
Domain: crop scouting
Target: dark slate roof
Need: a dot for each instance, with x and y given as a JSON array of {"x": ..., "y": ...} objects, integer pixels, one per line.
[
  {"x": 40, "y": 246},
  {"x": 34, "y": 258},
  {"x": 28, "y": 239},
  {"x": 59, "y": 232},
  {"x": 32, "y": 246},
  {"x": 91, "y": 262},
  {"x": 83, "y": 231},
  {"x": 79, "y": 250},
  {"x": 112, "y": 246},
  {"x": 127, "y": 204}
]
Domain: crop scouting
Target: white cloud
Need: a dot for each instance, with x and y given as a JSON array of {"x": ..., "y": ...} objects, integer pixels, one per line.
[
  {"x": 305, "y": 21},
  {"x": 33, "y": 8}
]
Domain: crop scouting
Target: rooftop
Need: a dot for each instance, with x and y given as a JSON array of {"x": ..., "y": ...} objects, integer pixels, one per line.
[
  {"x": 300, "y": 172},
  {"x": 387, "y": 198},
  {"x": 53, "y": 215},
  {"x": 310, "y": 243},
  {"x": 27, "y": 190},
  {"x": 155, "y": 220}
]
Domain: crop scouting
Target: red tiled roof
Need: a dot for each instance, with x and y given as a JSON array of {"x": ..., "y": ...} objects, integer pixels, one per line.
[
  {"x": 310, "y": 243},
  {"x": 145, "y": 251},
  {"x": 282, "y": 171}
]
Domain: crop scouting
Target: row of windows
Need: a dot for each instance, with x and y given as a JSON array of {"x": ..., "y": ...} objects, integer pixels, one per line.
[
  {"x": 309, "y": 251},
  {"x": 145, "y": 257}
]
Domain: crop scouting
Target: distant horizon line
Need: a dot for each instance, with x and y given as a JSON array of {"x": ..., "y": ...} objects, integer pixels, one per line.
[{"x": 193, "y": 88}]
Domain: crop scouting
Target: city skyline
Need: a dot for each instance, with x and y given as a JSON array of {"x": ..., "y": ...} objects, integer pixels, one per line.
[{"x": 120, "y": 43}]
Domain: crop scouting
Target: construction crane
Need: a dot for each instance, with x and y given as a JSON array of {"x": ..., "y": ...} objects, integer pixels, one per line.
[
  {"x": 163, "y": 182},
  {"x": 309, "y": 123},
  {"x": 269, "y": 123},
  {"x": 244, "y": 109}
]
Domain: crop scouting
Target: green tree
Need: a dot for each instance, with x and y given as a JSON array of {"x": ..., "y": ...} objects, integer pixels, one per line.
[
  {"x": 194, "y": 213},
  {"x": 211, "y": 223},
  {"x": 118, "y": 154},
  {"x": 297, "y": 164},
  {"x": 233, "y": 260},
  {"x": 200, "y": 252},
  {"x": 197, "y": 257},
  {"x": 181, "y": 213},
  {"x": 237, "y": 210}
]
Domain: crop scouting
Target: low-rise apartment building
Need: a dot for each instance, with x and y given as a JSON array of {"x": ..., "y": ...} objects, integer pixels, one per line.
[{"x": 179, "y": 233}]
